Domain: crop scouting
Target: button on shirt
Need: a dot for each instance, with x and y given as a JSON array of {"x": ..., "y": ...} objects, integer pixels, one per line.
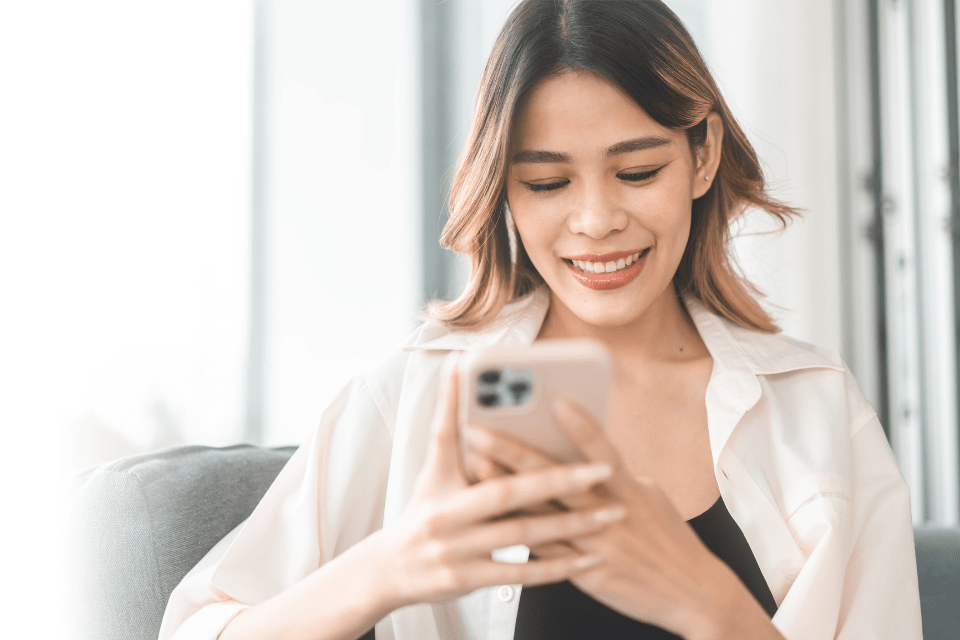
[{"x": 800, "y": 458}]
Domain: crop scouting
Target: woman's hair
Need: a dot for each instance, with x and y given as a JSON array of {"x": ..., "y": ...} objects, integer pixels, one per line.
[{"x": 643, "y": 48}]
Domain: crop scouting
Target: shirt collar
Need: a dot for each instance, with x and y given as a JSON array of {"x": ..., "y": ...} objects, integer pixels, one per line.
[
  {"x": 735, "y": 350},
  {"x": 738, "y": 350}
]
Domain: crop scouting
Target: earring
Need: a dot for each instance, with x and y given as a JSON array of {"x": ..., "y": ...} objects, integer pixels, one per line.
[{"x": 707, "y": 178}]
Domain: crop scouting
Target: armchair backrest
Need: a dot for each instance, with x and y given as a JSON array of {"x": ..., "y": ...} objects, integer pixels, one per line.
[{"x": 138, "y": 525}]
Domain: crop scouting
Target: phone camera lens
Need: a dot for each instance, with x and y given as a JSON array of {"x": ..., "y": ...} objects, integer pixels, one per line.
[
  {"x": 490, "y": 377},
  {"x": 519, "y": 389},
  {"x": 488, "y": 399}
]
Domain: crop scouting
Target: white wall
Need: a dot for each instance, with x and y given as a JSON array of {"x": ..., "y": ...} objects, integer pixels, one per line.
[
  {"x": 342, "y": 198},
  {"x": 125, "y": 160}
]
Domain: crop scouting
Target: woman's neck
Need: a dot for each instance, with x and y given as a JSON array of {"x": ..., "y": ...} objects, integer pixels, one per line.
[{"x": 663, "y": 333}]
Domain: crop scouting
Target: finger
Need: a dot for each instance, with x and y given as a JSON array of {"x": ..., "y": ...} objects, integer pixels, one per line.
[
  {"x": 506, "y": 451},
  {"x": 479, "y": 467},
  {"x": 584, "y": 431},
  {"x": 536, "y": 530},
  {"x": 518, "y": 491},
  {"x": 444, "y": 456},
  {"x": 550, "y": 550}
]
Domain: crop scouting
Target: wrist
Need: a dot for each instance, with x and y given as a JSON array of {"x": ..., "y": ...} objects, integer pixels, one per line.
[
  {"x": 734, "y": 613},
  {"x": 376, "y": 574}
]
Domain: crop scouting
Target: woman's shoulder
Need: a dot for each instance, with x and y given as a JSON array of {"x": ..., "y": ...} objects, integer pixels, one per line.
[
  {"x": 792, "y": 373},
  {"x": 758, "y": 352}
]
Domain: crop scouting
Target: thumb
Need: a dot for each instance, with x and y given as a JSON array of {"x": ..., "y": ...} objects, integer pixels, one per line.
[{"x": 444, "y": 456}]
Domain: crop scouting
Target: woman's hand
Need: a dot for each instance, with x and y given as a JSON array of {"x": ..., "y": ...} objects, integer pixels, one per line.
[
  {"x": 441, "y": 546},
  {"x": 655, "y": 568}
]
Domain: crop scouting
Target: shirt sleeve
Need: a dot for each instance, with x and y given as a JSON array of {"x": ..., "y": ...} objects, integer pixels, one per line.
[
  {"x": 301, "y": 522},
  {"x": 880, "y": 597}
]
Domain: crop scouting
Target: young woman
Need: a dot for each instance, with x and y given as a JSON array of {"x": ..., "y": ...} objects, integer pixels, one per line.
[{"x": 742, "y": 488}]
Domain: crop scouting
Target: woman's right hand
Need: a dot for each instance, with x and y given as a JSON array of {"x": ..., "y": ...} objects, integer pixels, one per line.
[{"x": 441, "y": 546}]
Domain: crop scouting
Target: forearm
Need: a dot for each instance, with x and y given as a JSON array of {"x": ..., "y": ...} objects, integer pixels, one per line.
[{"x": 339, "y": 601}]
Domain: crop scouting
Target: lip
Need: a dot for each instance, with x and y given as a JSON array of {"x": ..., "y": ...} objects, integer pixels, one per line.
[{"x": 608, "y": 281}]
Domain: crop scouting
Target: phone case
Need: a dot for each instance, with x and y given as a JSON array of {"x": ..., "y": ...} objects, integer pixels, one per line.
[{"x": 511, "y": 389}]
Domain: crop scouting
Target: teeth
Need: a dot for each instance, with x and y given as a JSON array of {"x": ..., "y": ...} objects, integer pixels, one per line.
[{"x": 608, "y": 267}]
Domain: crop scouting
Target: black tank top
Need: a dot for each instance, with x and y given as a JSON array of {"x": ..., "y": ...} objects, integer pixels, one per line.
[{"x": 562, "y": 612}]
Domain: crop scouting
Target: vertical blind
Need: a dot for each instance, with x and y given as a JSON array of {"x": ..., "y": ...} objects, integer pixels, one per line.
[{"x": 900, "y": 58}]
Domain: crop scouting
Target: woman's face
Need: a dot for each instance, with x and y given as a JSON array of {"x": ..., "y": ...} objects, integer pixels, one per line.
[{"x": 601, "y": 195}]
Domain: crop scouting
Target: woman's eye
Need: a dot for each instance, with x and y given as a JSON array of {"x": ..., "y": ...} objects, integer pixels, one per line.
[
  {"x": 546, "y": 186},
  {"x": 639, "y": 176}
]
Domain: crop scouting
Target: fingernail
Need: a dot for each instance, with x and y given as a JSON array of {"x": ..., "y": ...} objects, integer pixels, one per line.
[
  {"x": 609, "y": 515},
  {"x": 592, "y": 474},
  {"x": 586, "y": 562}
]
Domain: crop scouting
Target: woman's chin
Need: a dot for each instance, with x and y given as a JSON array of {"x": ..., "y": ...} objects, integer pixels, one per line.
[
  {"x": 602, "y": 311},
  {"x": 606, "y": 309}
]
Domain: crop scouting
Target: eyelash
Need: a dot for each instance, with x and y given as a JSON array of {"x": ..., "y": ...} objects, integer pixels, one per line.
[{"x": 629, "y": 177}]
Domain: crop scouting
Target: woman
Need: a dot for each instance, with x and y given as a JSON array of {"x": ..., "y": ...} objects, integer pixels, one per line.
[{"x": 741, "y": 475}]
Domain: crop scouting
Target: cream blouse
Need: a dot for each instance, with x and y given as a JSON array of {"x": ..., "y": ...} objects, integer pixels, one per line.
[{"x": 800, "y": 457}]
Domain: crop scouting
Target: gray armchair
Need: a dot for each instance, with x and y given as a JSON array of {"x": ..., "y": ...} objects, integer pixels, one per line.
[{"x": 139, "y": 524}]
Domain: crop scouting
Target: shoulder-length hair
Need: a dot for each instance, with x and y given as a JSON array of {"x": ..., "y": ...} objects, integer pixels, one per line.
[{"x": 642, "y": 47}]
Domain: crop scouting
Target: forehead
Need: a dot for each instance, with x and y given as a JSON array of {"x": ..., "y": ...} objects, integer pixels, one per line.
[{"x": 580, "y": 110}]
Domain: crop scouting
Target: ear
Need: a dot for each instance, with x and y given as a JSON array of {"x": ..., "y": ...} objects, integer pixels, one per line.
[{"x": 708, "y": 156}]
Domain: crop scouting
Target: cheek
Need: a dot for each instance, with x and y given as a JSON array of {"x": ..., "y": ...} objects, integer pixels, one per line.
[
  {"x": 666, "y": 213},
  {"x": 537, "y": 227}
]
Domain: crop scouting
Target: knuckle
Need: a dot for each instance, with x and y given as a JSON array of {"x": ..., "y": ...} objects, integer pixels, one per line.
[
  {"x": 503, "y": 492},
  {"x": 451, "y": 579},
  {"x": 433, "y": 523},
  {"x": 521, "y": 529},
  {"x": 436, "y": 552}
]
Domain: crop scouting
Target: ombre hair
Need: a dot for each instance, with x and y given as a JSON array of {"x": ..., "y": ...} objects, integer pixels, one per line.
[{"x": 643, "y": 48}]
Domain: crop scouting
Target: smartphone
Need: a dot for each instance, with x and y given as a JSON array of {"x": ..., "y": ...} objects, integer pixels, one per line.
[{"x": 511, "y": 390}]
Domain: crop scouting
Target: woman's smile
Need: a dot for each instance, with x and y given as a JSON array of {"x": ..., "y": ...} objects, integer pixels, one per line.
[{"x": 608, "y": 271}]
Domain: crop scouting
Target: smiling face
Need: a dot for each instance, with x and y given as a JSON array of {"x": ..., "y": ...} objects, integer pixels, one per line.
[{"x": 602, "y": 196}]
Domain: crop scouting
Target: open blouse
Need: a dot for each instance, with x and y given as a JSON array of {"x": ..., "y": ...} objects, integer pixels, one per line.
[{"x": 802, "y": 463}]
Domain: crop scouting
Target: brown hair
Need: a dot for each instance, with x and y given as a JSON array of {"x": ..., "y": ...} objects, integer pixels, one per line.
[{"x": 642, "y": 47}]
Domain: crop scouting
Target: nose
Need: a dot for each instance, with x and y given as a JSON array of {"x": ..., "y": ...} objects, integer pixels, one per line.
[{"x": 597, "y": 212}]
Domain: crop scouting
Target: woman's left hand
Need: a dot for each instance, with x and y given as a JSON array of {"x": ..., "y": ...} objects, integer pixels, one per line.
[{"x": 655, "y": 568}]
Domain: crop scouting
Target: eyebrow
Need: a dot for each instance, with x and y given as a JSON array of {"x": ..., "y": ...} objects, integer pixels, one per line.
[{"x": 627, "y": 146}]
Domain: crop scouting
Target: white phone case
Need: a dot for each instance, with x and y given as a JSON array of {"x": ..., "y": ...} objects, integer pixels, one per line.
[{"x": 511, "y": 389}]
